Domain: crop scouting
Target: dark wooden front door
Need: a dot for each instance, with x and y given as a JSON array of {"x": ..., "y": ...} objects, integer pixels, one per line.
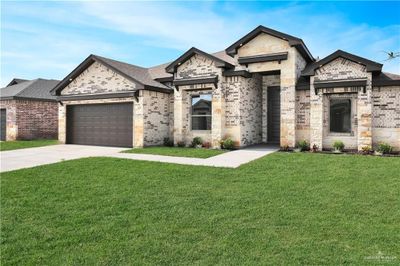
[
  {"x": 274, "y": 114},
  {"x": 100, "y": 124},
  {"x": 3, "y": 122}
]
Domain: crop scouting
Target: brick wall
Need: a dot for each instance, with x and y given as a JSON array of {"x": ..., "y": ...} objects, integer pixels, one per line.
[
  {"x": 97, "y": 78},
  {"x": 302, "y": 115},
  {"x": 386, "y": 116}
]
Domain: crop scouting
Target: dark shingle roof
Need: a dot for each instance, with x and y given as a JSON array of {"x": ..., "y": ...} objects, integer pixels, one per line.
[
  {"x": 371, "y": 65},
  {"x": 16, "y": 81},
  {"x": 386, "y": 79},
  {"x": 37, "y": 89}
]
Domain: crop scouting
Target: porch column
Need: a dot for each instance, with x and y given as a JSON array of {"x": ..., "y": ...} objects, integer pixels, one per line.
[
  {"x": 138, "y": 121},
  {"x": 288, "y": 107},
  {"x": 62, "y": 123},
  {"x": 218, "y": 116},
  {"x": 178, "y": 116},
  {"x": 364, "y": 115},
  {"x": 316, "y": 117}
]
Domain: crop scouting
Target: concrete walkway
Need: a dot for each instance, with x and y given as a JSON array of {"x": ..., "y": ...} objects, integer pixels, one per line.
[
  {"x": 30, "y": 157},
  {"x": 231, "y": 159}
]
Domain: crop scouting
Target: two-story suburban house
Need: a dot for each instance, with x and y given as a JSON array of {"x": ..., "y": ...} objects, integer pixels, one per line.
[{"x": 264, "y": 88}]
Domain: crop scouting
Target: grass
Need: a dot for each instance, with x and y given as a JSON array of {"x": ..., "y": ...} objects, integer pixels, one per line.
[
  {"x": 177, "y": 151},
  {"x": 23, "y": 144},
  {"x": 283, "y": 209}
]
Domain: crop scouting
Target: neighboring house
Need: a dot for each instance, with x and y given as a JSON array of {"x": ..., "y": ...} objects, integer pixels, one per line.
[
  {"x": 28, "y": 110},
  {"x": 264, "y": 88}
]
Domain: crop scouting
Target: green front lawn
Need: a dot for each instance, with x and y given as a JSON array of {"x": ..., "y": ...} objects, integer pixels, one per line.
[
  {"x": 22, "y": 144},
  {"x": 283, "y": 209},
  {"x": 177, "y": 151}
]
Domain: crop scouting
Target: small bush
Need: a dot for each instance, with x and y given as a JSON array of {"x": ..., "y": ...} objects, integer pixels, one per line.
[
  {"x": 197, "y": 141},
  {"x": 366, "y": 149},
  {"x": 168, "y": 142},
  {"x": 207, "y": 145},
  {"x": 228, "y": 144},
  {"x": 285, "y": 148},
  {"x": 303, "y": 145},
  {"x": 181, "y": 144},
  {"x": 338, "y": 145},
  {"x": 384, "y": 148},
  {"x": 314, "y": 148}
]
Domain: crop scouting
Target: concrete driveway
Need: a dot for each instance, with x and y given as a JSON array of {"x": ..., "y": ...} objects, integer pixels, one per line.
[{"x": 25, "y": 158}]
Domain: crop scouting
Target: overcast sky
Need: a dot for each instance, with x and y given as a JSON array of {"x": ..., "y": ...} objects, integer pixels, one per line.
[{"x": 49, "y": 39}]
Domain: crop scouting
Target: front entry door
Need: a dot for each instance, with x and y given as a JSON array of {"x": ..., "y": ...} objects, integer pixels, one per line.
[{"x": 274, "y": 114}]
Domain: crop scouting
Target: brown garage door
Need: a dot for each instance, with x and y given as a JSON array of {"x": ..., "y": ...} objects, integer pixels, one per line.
[
  {"x": 100, "y": 124},
  {"x": 3, "y": 122}
]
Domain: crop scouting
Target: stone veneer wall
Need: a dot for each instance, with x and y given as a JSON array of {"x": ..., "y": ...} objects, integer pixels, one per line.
[
  {"x": 28, "y": 119},
  {"x": 197, "y": 66},
  {"x": 232, "y": 90},
  {"x": 386, "y": 116},
  {"x": 97, "y": 78},
  {"x": 11, "y": 118},
  {"x": 302, "y": 115}
]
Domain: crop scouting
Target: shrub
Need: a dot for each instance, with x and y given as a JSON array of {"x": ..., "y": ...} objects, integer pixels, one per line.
[
  {"x": 168, "y": 142},
  {"x": 384, "y": 148},
  {"x": 181, "y": 144},
  {"x": 366, "y": 149},
  {"x": 207, "y": 145},
  {"x": 303, "y": 145},
  {"x": 228, "y": 144},
  {"x": 285, "y": 148},
  {"x": 338, "y": 145},
  {"x": 197, "y": 141},
  {"x": 315, "y": 148}
]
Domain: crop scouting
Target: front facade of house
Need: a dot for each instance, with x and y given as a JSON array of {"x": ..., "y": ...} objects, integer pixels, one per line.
[
  {"x": 28, "y": 110},
  {"x": 265, "y": 88}
]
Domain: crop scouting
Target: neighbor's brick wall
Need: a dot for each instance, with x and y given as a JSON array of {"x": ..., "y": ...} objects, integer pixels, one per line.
[
  {"x": 11, "y": 118},
  {"x": 386, "y": 116},
  {"x": 98, "y": 79},
  {"x": 37, "y": 119},
  {"x": 30, "y": 119}
]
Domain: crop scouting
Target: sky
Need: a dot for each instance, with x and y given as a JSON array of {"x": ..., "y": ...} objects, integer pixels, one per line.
[{"x": 49, "y": 39}]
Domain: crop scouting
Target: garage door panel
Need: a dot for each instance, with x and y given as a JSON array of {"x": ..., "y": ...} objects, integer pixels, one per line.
[{"x": 100, "y": 124}]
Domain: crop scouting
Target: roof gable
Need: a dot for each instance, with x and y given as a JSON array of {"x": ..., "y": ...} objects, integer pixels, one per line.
[
  {"x": 15, "y": 81},
  {"x": 133, "y": 73},
  {"x": 293, "y": 41},
  {"x": 171, "y": 68},
  {"x": 371, "y": 66}
]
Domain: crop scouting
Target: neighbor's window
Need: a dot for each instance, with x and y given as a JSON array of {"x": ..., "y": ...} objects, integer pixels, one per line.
[
  {"x": 201, "y": 112},
  {"x": 340, "y": 115}
]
